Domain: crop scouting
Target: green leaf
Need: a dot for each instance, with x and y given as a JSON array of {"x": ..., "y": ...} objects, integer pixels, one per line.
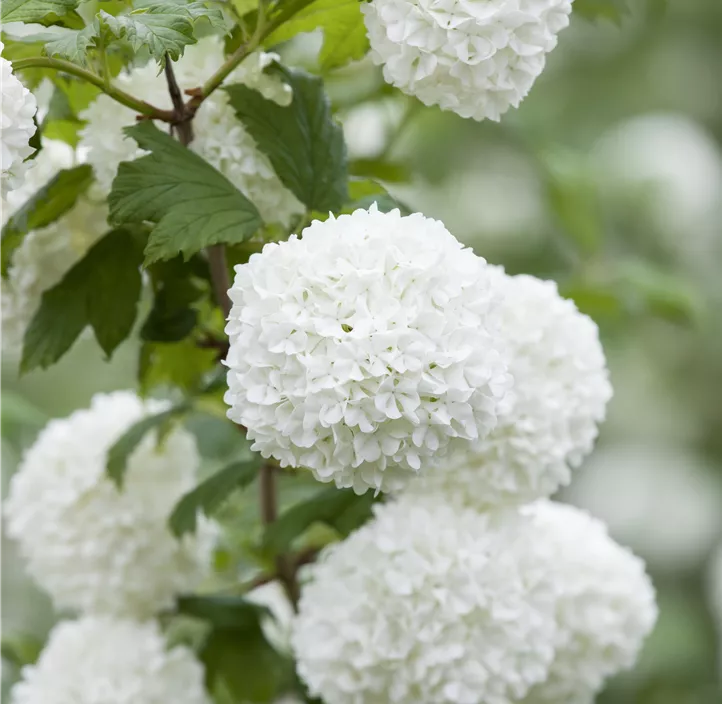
[
  {"x": 378, "y": 168},
  {"x": 181, "y": 365},
  {"x": 302, "y": 140},
  {"x": 124, "y": 447},
  {"x": 73, "y": 45},
  {"x": 363, "y": 193},
  {"x": 21, "y": 649},
  {"x": 344, "y": 32},
  {"x": 613, "y": 10},
  {"x": 101, "y": 290},
  {"x": 209, "y": 495},
  {"x": 17, "y": 412},
  {"x": 52, "y": 201},
  {"x": 175, "y": 290},
  {"x": 223, "y": 610},
  {"x": 35, "y": 10},
  {"x": 193, "y": 205},
  {"x": 341, "y": 509}
]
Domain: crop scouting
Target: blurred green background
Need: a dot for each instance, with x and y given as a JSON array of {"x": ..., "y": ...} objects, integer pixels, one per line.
[{"x": 609, "y": 180}]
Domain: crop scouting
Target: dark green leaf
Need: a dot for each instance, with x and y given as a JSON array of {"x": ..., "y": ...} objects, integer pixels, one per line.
[
  {"x": 378, "y": 168},
  {"x": 73, "y": 45},
  {"x": 302, "y": 140},
  {"x": 193, "y": 204},
  {"x": 101, "y": 290},
  {"x": 344, "y": 32},
  {"x": 52, "y": 201},
  {"x": 223, "y": 611},
  {"x": 124, "y": 447},
  {"x": 209, "y": 495},
  {"x": 180, "y": 365},
  {"x": 35, "y": 10},
  {"x": 339, "y": 508},
  {"x": 243, "y": 665},
  {"x": 175, "y": 290},
  {"x": 364, "y": 193}
]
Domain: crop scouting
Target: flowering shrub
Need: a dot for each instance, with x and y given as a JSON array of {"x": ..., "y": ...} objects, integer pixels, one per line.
[{"x": 360, "y": 345}]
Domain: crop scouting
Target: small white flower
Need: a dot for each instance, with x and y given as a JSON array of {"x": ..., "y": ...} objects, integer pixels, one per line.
[
  {"x": 219, "y": 136},
  {"x": 477, "y": 58},
  {"x": 45, "y": 256},
  {"x": 363, "y": 348},
  {"x": 91, "y": 546},
  {"x": 561, "y": 389},
  {"x": 427, "y": 603},
  {"x": 16, "y": 124},
  {"x": 605, "y": 603},
  {"x": 100, "y": 659}
]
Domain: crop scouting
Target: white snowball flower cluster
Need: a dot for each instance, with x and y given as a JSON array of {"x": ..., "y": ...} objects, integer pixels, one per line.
[
  {"x": 100, "y": 659},
  {"x": 605, "y": 603},
  {"x": 361, "y": 349},
  {"x": 17, "y": 109},
  {"x": 91, "y": 546},
  {"x": 45, "y": 255},
  {"x": 427, "y": 603},
  {"x": 561, "y": 389},
  {"x": 219, "y": 137},
  {"x": 475, "y": 57}
]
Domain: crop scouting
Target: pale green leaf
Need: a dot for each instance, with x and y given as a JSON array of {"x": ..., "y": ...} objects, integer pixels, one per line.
[
  {"x": 34, "y": 10},
  {"x": 73, "y": 45}
]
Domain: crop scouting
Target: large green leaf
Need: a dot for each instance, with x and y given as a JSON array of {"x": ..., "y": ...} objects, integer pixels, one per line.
[
  {"x": 341, "y": 509},
  {"x": 124, "y": 447},
  {"x": 193, "y": 205},
  {"x": 344, "y": 32},
  {"x": 209, "y": 495},
  {"x": 52, "y": 201},
  {"x": 34, "y": 10},
  {"x": 179, "y": 365},
  {"x": 302, "y": 140},
  {"x": 73, "y": 44},
  {"x": 101, "y": 290}
]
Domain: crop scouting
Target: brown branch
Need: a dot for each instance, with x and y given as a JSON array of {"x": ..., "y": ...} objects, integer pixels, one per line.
[
  {"x": 182, "y": 119},
  {"x": 219, "y": 277}
]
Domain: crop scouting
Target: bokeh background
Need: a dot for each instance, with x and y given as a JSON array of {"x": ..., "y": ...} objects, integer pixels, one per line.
[{"x": 608, "y": 180}]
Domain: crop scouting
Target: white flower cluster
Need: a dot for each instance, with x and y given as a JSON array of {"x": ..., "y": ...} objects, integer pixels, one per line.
[
  {"x": 17, "y": 109},
  {"x": 113, "y": 661},
  {"x": 45, "y": 255},
  {"x": 475, "y": 57},
  {"x": 363, "y": 348},
  {"x": 605, "y": 603},
  {"x": 219, "y": 137},
  {"x": 427, "y": 603},
  {"x": 91, "y": 546},
  {"x": 561, "y": 389},
  {"x": 430, "y": 602}
]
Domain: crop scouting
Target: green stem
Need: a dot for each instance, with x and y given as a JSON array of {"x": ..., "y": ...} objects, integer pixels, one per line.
[
  {"x": 263, "y": 30},
  {"x": 116, "y": 94}
]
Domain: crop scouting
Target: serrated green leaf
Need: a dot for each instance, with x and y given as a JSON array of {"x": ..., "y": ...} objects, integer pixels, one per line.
[
  {"x": 613, "y": 10},
  {"x": 35, "y": 10},
  {"x": 209, "y": 495},
  {"x": 101, "y": 290},
  {"x": 341, "y": 509},
  {"x": 124, "y": 447},
  {"x": 44, "y": 207},
  {"x": 193, "y": 205},
  {"x": 73, "y": 45},
  {"x": 344, "y": 32},
  {"x": 302, "y": 140}
]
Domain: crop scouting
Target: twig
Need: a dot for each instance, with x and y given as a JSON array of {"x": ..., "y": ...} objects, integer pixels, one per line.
[
  {"x": 183, "y": 122},
  {"x": 219, "y": 277}
]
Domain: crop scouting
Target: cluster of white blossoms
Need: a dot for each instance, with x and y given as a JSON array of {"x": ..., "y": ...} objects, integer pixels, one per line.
[
  {"x": 430, "y": 602},
  {"x": 561, "y": 390},
  {"x": 427, "y": 603},
  {"x": 103, "y": 659},
  {"x": 96, "y": 548},
  {"x": 219, "y": 136},
  {"x": 45, "y": 255},
  {"x": 17, "y": 110},
  {"x": 475, "y": 57},
  {"x": 364, "y": 348}
]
